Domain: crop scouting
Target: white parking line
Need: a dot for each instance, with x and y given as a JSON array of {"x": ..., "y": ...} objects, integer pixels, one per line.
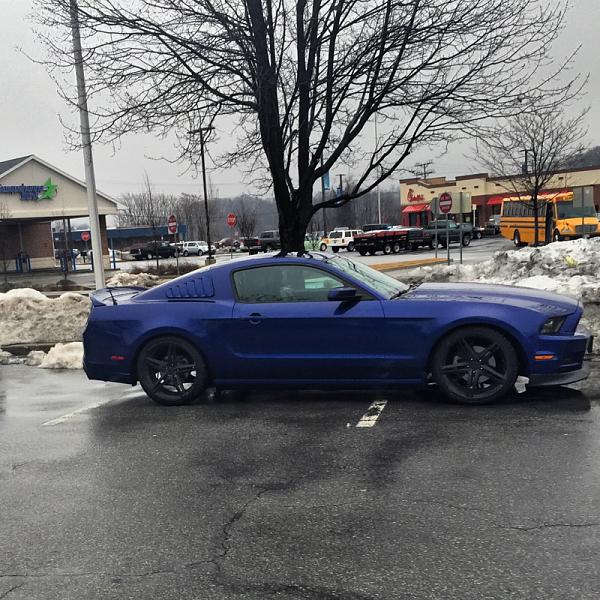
[
  {"x": 70, "y": 415},
  {"x": 370, "y": 417}
]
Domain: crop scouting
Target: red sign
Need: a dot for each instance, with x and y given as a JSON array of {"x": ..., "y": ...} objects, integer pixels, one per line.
[
  {"x": 85, "y": 236},
  {"x": 412, "y": 197},
  {"x": 172, "y": 224},
  {"x": 231, "y": 220},
  {"x": 445, "y": 202}
]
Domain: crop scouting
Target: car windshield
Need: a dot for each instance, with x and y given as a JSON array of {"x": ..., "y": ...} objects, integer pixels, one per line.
[
  {"x": 380, "y": 282},
  {"x": 566, "y": 210}
]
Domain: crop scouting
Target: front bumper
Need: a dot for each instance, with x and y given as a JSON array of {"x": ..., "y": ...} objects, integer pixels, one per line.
[{"x": 552, "y": 379}]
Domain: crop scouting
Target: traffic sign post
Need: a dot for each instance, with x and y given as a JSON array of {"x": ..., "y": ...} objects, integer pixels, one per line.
[{"x": 446, "y": 207}]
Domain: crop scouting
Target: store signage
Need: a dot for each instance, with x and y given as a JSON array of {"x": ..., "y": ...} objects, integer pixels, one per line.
[
  {"x": 32, "y": 192},
  {"x": 412, "y": 197}
]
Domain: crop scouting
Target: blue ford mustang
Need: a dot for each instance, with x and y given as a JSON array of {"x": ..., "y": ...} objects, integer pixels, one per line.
[{"x": 322, "y": 321}]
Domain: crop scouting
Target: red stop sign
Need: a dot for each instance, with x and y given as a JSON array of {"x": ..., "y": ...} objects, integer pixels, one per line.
[
  {"x": 231, "y": 220},
  {"x": 85, "y": 236},
  {"x": 172, "y": 224},
  {"x": 445, "y": 202}
]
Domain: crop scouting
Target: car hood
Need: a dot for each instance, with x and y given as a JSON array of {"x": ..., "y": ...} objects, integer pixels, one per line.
[{"x": 539, "y": 300}]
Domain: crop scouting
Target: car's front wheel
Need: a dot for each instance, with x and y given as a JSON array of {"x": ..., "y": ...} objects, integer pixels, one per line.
[
  {"x": 186, "y": 253},
  {"x": 171, "y": 371},
  {"x": 350, "y": 247},
  {"x": 475, "y": 365},
  {"x": 466, "y": 240},
  {"x": 150, "y": 255},
  {"x": 323, "y": 247}
]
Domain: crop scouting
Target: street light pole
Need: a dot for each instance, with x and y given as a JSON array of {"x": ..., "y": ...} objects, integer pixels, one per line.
[
  {"x": 88, "y": 159},
  {"x": 378, "y": 190}
]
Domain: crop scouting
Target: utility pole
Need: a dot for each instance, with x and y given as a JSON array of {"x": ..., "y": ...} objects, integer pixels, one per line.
[
  {"x": 88, "y": 159},
  {"x": 424, "y": 166},
  {"x": 201, "y": 131}
]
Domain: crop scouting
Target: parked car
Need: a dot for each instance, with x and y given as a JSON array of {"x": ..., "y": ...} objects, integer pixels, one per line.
[
  {"x": 228, "y": 243},
  {"x": 253, "y": 323},
  {"x": 340, "y": 237},
  {"x": 250, "y": 245},
  {"x": 492, "y": 227},
  {"x": 191, "y": 248},
  {"x": 152, "y": 250},
  {"x": 269, "y": 240}
]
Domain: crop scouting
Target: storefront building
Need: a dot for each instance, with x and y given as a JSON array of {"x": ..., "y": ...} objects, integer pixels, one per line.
[
  {"x": 482, "y": 195},
  {"x": 33, "y": 193}
]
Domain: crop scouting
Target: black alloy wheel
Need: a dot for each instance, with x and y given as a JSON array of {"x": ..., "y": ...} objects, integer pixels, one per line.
[
  {"x": 475, "y": 365},
  {"x": 171, "y": 371},
  {"x": 466, "y": 240}
]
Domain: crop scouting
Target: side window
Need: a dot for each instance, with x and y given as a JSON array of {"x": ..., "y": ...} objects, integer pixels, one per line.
[{"x": 284, "y": 283}]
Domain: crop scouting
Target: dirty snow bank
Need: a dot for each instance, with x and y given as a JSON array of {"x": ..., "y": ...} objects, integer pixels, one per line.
[
  {"x": 571, "y": 268},
  {"x": 61, "y": 356},
  {"x": 136, "y": 279},
  {"x": 27, "y": 317}
]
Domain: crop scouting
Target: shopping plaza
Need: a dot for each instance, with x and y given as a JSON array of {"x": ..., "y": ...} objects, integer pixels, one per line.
[
  {"x": 482, "y": 194},
  {"x": 33, "y": 194}
]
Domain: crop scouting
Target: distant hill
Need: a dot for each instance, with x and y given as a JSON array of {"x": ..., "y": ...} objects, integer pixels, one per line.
[{"x": 589, "y": 158}]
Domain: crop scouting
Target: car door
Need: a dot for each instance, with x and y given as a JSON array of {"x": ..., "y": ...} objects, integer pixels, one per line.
[{"x": 285, "y": 328}]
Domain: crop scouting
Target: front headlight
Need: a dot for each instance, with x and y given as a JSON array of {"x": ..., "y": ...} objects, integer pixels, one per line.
[{"x": 552, "y": 326}]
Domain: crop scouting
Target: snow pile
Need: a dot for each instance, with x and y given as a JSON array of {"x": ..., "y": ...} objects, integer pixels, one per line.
[
  {"x": 64, "y": 356},
  {"x": 135, "y": 279},
  {"x": 27, "y": 317},
  {"x": 6, "y": 358}
]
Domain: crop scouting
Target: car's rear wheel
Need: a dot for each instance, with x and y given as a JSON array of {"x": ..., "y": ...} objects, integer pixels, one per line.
[
  {"x": 387, "y": 249},
  {"x": 150, "y": 256},
  {"x": 466, "y": 240},
  {"x": 268, "y": 248},
  {"x": 186, "y": 253},
  {"x": 323, "y": 247},
  {"x": 350, "y": 247},
  {"x": 335, "y": 249},
  {"x": 396, "y": 248},
  {"x": 475, "y": 365},
  {"x": 517, "y": 239},
  {"x": 556, "y": 237},
  {"x": 171, "y": 371}
]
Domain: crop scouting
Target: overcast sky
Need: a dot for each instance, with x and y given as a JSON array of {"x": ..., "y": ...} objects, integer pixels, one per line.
[{"x": 30, "y": 106}]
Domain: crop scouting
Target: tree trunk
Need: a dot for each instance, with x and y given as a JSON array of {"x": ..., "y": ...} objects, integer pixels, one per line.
[
  {"x": 536, "y": 220},
  {"x": 293, "y": 223}
]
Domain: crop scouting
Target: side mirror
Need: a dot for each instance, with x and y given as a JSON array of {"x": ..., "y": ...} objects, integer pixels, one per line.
[{"x": 342, "y": 295}]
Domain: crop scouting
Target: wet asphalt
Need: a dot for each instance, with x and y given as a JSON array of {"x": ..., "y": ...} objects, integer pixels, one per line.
[{"x": 280, "y": 496}]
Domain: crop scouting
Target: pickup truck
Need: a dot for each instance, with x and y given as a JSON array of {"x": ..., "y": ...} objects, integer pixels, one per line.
[
  {"x": 434, "y": 233},
  {"x": 152, "y": 249},
  {"x": 389, "y": 240}
]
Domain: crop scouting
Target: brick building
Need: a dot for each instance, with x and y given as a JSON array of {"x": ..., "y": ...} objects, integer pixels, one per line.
[
  {"x": 33, "y": 193},
  {"x": 483, "y": 194}
]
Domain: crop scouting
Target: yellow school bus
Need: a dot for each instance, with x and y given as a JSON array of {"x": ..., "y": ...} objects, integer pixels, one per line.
[{"x": 558, "y": 219}]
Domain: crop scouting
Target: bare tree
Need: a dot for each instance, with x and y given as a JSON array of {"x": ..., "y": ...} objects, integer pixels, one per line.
[
  {"x": 4, "y": 240},
  {"x": 527, "y": 150},
  {"x": 246, "y": 216},
  {"x": 305, "y": 79}
]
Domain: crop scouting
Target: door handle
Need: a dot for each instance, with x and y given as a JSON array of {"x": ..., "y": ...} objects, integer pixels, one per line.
[{"x": 255, "y": 318}]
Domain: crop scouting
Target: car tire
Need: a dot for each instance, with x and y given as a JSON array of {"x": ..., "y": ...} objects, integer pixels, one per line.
[
  {"x": 362, "y": 252},
  {"x": 475, "y": 365},
  {"x": 387, "y": 248},
  {"x": 350, "y": 247},
  {"x": 556, "y": 236},
  {"x": 150, "y": 256},
  {"x": 436, "y": 244},
  {"x": 171, "y": 371},
  {"x": 268, "y": 248},
  {"x": 323, "y": 247},
  {"x": 478, "y": 235},
  {"x": 466, "y": 240},
  {"x": 186, "y": 253},
  {"x": 396, "y": 248},
  {"x": 372, "y": 252},
  {"x": 335, "y": 249}
]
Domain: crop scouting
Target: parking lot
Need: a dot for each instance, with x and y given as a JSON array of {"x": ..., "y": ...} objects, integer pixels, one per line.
[{"x": 281, "y": 495}]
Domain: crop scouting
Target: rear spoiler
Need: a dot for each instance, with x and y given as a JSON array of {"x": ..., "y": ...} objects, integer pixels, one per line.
[{"x": 110, "y": 295}]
